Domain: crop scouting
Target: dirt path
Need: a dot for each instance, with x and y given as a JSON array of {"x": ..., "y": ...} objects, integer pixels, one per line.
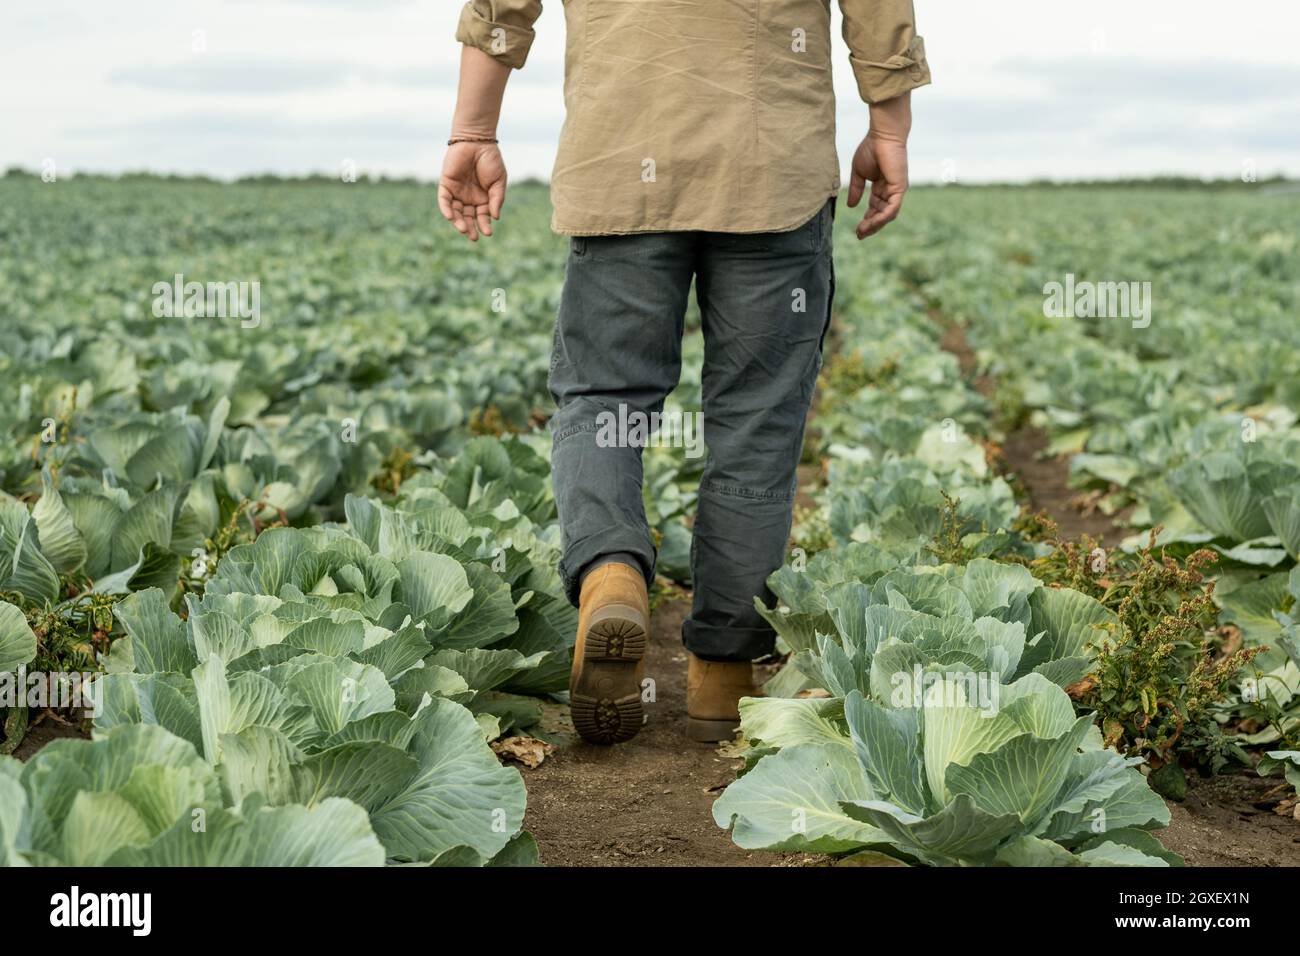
[
  {"x": 1229, "y": 821},
  {"x": 1045, "y": 481},
  {"x": 646, "y": 802}
]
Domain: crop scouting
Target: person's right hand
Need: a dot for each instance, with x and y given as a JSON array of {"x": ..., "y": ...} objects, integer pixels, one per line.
[{"x": 472, "y": 187}]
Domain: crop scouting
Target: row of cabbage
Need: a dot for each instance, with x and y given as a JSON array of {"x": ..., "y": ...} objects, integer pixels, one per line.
[
  {"x": 1183, "y": 416},
  {"x": 1187, "y": 416},
  {"x": 334, "y": 685},
  {"x": 317, "y": 580},
  {"x": 921, "y": 716}
]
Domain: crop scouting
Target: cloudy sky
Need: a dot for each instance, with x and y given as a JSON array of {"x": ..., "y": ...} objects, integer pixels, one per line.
[{"x": 1023, "y": 88}]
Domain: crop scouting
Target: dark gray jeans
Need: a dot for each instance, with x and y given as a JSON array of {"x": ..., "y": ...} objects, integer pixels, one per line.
[{"x": 765, "y": 302}]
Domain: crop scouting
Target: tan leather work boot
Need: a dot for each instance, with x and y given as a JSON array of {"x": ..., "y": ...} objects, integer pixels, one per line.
[
  {"x": 605, "y": 685},
  {"x": 713, "y": 692}
]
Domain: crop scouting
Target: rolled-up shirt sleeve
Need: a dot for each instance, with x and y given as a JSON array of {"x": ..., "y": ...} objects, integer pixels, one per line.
[
  {"x": 503, "y": 29},
  {"x": 887, "y": 56}
]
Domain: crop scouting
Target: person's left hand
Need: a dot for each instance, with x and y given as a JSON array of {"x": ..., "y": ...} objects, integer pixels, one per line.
[{"x": 883, "y": 163}]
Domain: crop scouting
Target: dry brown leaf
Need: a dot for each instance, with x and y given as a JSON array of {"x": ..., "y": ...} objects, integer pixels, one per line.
[
  {"x": 817, "y": 692},
  {"x": 528, "y": 751},
  {"x": 1290, "y": 807},
  {"x": 1079, "y": 688}
]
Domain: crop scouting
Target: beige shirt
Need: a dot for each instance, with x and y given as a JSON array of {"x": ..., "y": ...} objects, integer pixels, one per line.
[{"x": 715, "y": 115}]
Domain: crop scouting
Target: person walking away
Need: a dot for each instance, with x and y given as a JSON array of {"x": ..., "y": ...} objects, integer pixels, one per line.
[{"x": 698, "y": 145}]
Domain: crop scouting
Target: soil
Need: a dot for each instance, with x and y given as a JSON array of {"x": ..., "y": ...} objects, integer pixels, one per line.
[
  {"x": 954, "y": 340},
  {"x": 645, "y": 802},
  {"x": 1045, "y": 482},
  {"x": 40, "y": 734},
  {"x": 1229, "y": 821}
]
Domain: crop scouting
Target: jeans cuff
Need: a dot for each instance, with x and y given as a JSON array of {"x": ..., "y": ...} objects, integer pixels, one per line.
[
  {"x": 720, "y": 643},
  {"x": 581, "y": 553}
]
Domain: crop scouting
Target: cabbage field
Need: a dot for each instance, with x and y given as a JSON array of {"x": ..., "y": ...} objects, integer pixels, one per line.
[{"x": 274, "y": 478}]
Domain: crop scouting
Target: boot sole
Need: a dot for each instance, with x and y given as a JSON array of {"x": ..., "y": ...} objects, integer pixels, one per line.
[
  {"x": 710, "y": 731},
  {"x": 606, "y": 699}
]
